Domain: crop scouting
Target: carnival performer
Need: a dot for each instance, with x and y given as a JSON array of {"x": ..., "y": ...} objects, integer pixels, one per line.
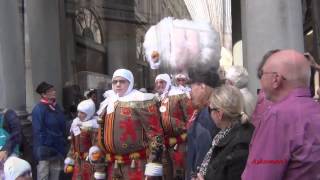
[
  {"x": 130, "y": 133},
  {"x": 176, "y": 109},
  {"x": 83, "y": 131},
  {"x": 181, "y": 81}
]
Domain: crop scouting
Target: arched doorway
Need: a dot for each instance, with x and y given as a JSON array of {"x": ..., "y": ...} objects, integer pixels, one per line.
[{"x": 90, "y": 52}]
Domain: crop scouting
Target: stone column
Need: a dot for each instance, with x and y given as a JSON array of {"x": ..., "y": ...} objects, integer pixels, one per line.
[
  {"x": 266, "y": 25},
  {"x": 43, "y": 46},
  {"x": 12, "y": 71}
]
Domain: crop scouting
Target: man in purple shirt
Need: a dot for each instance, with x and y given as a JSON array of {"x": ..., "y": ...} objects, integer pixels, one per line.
[
  {"x": 262, "y": 102},
  {"x": 286, "y": 141}
]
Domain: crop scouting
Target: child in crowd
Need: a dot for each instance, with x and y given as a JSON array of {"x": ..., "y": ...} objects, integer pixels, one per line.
[
  {"x": 83, "y": 131},
  {"x": 17, "y": 169}
]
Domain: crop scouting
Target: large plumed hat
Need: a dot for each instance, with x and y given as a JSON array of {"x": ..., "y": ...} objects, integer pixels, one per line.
[
  {"x": 204, "y": 74},
  {"x": 43, "y": 87},
  {"x": 15, "y": 167}
]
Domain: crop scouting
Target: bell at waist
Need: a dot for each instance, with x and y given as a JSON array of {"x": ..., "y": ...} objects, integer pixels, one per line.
[
  {"x": 126, "y": 158},
  {"x": 126, "y": 147}
]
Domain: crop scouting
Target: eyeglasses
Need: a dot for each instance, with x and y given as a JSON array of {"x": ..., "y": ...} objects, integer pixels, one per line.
[
  {"x": 161, "y": 82},
  {"x": 210, "y": 109},
  {"x": 261, "y": 73},
  {"x": 181, "y": 79},
  {"x": 119, "y": 81}
]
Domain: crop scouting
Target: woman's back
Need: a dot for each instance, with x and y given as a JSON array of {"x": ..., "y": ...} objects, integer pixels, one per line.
[{"x": 230, "y": 155}]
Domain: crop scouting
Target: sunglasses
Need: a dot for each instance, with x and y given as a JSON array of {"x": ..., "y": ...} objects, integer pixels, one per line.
[
  {"x": 181, "y": 79},
  {"x": 119, "y": 81},
  {"x": 210, "y": 109}
]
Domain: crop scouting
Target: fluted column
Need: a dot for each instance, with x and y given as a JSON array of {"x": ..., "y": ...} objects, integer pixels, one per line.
[
  {"x": 266, "y": 25},
  {"x": 43, "y": 46},
  {"x": 12, "y": 67}
]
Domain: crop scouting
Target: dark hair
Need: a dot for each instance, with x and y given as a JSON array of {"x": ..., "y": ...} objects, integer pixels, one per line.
[
  {"x": 43, "y": 87},
  {"x": 205, "y": 74},
  {"x": 91, "y": 92},
  {"x": 264, "y": 60}
]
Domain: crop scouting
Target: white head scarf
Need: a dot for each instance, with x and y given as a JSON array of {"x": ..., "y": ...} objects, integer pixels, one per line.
[
  {"x": 166, "y": 78},
  {"x": 127, "y": 75},
  {"x": 14, "y": 167},
  {"x": 88, "y": 107},
  {"x": 238, "y": 75}
]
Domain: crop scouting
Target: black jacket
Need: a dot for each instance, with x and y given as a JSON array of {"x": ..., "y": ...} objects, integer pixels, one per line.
[
  {"x": 230, "y": 155},
  {"x": 199, "y": 140}
]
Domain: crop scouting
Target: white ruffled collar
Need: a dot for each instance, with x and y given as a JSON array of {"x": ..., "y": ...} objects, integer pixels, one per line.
[{"x": 134, "y": 95}]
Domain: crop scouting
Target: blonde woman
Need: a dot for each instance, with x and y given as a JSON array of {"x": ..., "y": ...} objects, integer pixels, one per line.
[{"x": 227, "y": 157}]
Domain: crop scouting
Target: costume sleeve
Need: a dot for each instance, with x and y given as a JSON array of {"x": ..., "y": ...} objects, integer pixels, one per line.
[
  {"x": 93, "y": 135},
  {"x": 187, "y": 107},
  {"x": 150, "y": 120},
  {"x": 98, "y": 140},
  {"x": 14, "y": 130},
  {"x": 71, "y": 151}
]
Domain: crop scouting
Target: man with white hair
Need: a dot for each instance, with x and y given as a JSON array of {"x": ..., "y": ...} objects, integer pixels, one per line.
[
  {"x": 286, "y": 141},
  {"x": 238, "y": 76},
  {"x": 176, "y": 109},
  {"x": 130, "y": 133}
]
